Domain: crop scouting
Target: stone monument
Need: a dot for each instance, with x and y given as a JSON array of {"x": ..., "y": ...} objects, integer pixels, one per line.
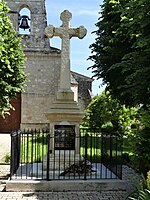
[{"x": 64, "y": 114}]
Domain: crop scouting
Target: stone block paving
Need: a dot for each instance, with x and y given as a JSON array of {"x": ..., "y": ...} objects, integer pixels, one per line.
[
  {"x": 4, "y": 170},
  {"x": 63, "y": 195},
  {"x": 128, "y": 174},
  {"x": 5, "y": 143}
]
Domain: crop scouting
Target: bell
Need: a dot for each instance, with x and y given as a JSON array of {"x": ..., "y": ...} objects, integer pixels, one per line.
[{"x": 24, "y": 22}]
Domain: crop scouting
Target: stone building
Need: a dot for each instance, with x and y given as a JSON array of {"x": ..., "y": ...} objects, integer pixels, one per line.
[
  {"x": 84, "y": 91},
  {"x": 43, "y": 67}
]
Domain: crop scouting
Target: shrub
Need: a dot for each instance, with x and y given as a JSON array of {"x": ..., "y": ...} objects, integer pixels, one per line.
[
  {"x": 148, "y": 180},
  {"x": 142, "y": 149},
  {"x": 7, "y": 158}
]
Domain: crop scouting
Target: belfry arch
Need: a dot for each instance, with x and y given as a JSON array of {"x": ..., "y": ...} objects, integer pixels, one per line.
[{"x": 24, "y": 20}]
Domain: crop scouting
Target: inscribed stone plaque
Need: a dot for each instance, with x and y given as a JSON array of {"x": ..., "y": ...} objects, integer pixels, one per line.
[{"x": 64, "y": 137}]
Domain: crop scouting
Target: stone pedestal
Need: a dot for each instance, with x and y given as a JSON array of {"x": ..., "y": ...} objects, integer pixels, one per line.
[{"x": 63, "y": 112}]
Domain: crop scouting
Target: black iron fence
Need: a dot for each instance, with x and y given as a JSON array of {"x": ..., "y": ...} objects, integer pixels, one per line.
[{"x": 65, "y": 155}]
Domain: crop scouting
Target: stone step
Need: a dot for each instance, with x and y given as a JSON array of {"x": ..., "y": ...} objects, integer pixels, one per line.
[
  {"x": 2, "y": 186},
  {"x": 65, "y": 185}
]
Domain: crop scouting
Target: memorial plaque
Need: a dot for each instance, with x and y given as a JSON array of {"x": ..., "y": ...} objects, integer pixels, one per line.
[{"x": 64, "y": 137}]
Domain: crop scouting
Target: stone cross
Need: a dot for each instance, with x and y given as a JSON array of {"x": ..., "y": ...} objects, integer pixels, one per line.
[{"x": 65, "y": 33}]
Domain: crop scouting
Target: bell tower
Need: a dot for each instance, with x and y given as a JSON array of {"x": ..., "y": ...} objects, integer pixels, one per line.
[
  {"x": 29, "y": 20},
  {"x": 42, "y": 61}
]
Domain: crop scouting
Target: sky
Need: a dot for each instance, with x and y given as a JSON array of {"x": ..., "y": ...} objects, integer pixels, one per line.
[{"x": 86, "y": 13}]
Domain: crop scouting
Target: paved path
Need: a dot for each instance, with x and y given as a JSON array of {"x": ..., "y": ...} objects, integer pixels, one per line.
[
  {"x": 128, "y": 174},
  {"x": 4, "y": 171},
  {"x": 4, "y": 146},
  {"x": 5, "y": 143},
  {"x": 62, "y": 195}
]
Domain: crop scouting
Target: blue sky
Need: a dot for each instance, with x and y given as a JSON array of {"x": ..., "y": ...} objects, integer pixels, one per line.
[{"x": 86, "y": 13}]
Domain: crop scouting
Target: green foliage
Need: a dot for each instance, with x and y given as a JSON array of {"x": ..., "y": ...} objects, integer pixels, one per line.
[
  {"x": 12, "y": 76},
  {"x": 144, "y": 115},
  {"x": 7, "y": 158},
  {"x": 148, "y": 180},
  {"x": 141, "y": 140},
  {"x": 33, "y": 148},
  {"x": 142, "y": 193},
  {"x": 141, "y": 143},
  {"x": 121, "y": 51},
  {"x": 136, "y": 145},
  {"x": 107, "y": 113}
]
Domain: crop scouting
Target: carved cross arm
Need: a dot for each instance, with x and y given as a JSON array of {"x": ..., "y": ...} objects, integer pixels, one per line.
[
  {"x": 49, "y": 31},
  {"x": 78, "y": 32},
  {"x": 52, "y": 31}
]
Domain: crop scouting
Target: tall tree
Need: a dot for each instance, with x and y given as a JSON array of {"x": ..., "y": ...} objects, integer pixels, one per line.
[
  {"x": 12, "y": 76},
  {"x": 122, "y": 49},
  {"x": 105, "y": 112}
]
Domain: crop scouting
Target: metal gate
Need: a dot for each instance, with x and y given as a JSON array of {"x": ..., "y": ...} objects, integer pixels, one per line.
[{"x": 36, "y": 155}]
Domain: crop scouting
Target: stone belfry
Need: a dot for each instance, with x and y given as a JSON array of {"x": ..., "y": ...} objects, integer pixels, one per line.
[
  {"x": 42, "y": 63},
  {"x": 36, "y": 13}
]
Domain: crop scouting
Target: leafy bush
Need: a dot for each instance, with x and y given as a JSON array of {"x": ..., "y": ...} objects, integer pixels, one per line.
[
  {"x": 143, "y": 192},
  {"x": 7, "y": 158},
  {"x": 108, "y": 115},
  {"x": 12, "y": 58},
  {"x": 143, "y": 195},
  {"x": 148, "y": 180},
  {"x": 142, "y": 150}
]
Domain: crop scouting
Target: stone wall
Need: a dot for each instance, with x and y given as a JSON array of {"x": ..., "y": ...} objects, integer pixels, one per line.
[
  {"x": 84, "y": 88},
  {"x": 42, "y": 84},
  {"x": 34, "y": 107},
  {"x": 44, "y": 72}
]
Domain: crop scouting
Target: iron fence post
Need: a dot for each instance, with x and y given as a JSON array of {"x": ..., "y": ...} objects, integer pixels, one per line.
[
  {"x": 48, "y": 156},
  {"x": 11, "y": 158},
  {"x": 15, "y": 152},
  {"x": 85, "y": 159}
]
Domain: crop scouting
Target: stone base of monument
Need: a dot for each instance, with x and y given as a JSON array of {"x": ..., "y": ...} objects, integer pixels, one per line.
[
  {"x": 64, "y": 186},
  {"x": 64, "y": 183},
  {"x": 64, "y": 110},
  {"x": 61, "y": 159},
  {"x": 65, "y": 94}
]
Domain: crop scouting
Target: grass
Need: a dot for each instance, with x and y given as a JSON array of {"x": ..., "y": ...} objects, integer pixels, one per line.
[{"x": 34, "y": 147}]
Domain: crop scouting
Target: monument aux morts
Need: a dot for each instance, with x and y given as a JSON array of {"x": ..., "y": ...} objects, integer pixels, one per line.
[
  {"x": 64, "y": 114},
  {"x": 44, "y": 68}
]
